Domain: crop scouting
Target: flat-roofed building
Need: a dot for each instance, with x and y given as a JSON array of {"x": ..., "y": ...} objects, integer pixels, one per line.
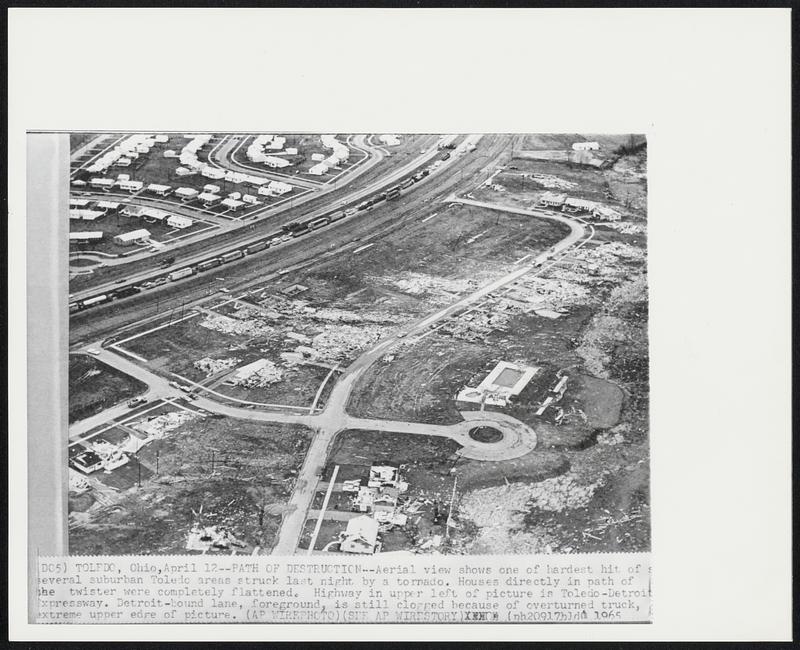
[
  {"x": 179, "y": 221},
  {"x": 186, "y": 193},
  {"x": 132, "y": 237}
]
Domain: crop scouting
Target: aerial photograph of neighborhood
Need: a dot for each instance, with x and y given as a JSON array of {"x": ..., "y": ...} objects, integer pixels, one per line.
[{"x": 358, "y": 343}]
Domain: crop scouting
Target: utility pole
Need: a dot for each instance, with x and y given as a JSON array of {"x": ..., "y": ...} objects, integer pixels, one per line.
[
  {"x": 157, "y": 452},
  {"x": 139, "y": 466}
]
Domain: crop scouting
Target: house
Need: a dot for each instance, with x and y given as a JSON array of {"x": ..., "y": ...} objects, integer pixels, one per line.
[
  {"x": 278, "y": 187},
  {"x": 102, "y": 183},
  {"x": 578, "y": 205},
  {"x": 132, "y": 237},
  {"x": 256, "y": 181},
  {"x": 606, "y": 213},
  {"x": 209, "y": 198},
  {"x": 130, "y": 186},
  {"x": 184, "y": 171},
  {"x": 87, "y": 462},
  {"x": 123, "y": 162},
  {"x": 179, "y": 221},
  {"x": 586, "y": 146},
  {"x": 85, "y": 237},
  {"x": 232, "y": 204},
  {"x": 161, "y": 139},
  {"x": 186, "y": 193},
  {"x": 107, "y": 206},
  {"x": 214, "y": 189},
  {"x": 235, "y": 196},
  {"x": 276, "y": 163},
  {"x": 363, "y": 501},
  {"x": 235, "y": 177},
  {"x": 318, "y": 170},
  {"x": 213, "y": 173},
  {"x": 79, "y": 203},
  {"x": 249, "y": 198},
  {"x": 86, "y": 215},
  {"x": 161, "y": 190},
  {"x": 134, "y": 210},
  {"x": 361, "y": 536},
  {"x": 383, "y": 475},
  {"x": 152, "y": 215},
  {"x": 317, "y": 157},
  {"x": 292, "y": 151},
  {"x": 552, "y": 200},
  {"x": 170, "y": 153}
]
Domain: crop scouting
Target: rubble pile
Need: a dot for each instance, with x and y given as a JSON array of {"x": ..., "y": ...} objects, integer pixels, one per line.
[
  {"x": 552, "y": 182},
  {"x": 161, "y": 425},
  {"x": 267, "y": 374},
  {"x": 610, "y": 438},
  {"x": 228, "y": 325},
  {"x": 211, "y": 366},
  {"x": 626, "y": 227},
  {"x": 331, "y": 314},
  {"x": 336, "y": 342},
  {"x": 562, "y": 492},
  {"x": 420, "y": 283},
  {"x": 475, "y": 325},
  {"x": 552, "y": 292}
]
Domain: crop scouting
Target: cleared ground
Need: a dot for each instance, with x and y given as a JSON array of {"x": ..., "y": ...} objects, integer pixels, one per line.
[
  {"x": 94, "y": 386},
  {"x": 214, "y": 471}
]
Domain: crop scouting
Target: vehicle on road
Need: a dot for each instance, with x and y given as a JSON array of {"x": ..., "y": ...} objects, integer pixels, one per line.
[
  {"x": 137, "y": 401},
  {"x": 93, "y": 351}
]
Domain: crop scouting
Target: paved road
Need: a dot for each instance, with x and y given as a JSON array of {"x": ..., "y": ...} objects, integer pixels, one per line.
[{"x": 353, "y": 197}]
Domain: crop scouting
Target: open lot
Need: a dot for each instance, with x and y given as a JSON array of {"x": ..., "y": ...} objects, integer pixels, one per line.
[
  {"x": 213, "y": 471},
  {"x": 94, "y": 386}
]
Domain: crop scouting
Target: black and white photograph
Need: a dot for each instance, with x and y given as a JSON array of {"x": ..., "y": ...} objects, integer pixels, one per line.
[
  {"x": 399, "y": 323},
  {"x": 358, "y": 343}
]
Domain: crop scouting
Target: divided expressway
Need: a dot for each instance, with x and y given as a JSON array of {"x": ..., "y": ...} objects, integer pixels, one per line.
[{"x": 247, "y": 234}]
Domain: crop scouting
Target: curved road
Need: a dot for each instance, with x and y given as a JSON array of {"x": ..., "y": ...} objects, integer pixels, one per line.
[
  {"x": 518, "y": 439},
  {"x": 351, "y": 198}
]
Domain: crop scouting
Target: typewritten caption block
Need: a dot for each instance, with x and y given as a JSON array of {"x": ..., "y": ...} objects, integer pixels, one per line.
[{"x": 605, "y": 588}]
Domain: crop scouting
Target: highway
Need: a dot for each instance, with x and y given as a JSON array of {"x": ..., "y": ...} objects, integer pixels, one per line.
[{"x": 350, "y": 199}]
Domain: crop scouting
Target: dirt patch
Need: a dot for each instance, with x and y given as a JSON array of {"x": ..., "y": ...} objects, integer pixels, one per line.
[{"x": 95, "y": 386}]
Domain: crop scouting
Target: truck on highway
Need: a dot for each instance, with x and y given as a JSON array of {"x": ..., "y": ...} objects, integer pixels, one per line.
[
  {"x": 209, "y": 264},
  {"x": 95, "y": 300},
  {"x": 406, "y": 183},
  {"x": 339, "y": 214},
  {"x": 319, "y": 223},
  {"x": 125, "y": 292},
  {"x": 258, "y": 246},
  {"x": 181, "y": 273},
  {"x": 229, "y": 257},
  {"x": 393, "y": 193}
]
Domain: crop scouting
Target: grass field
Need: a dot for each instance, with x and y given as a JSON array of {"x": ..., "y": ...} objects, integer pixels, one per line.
[{"x": 95, "y": 386}]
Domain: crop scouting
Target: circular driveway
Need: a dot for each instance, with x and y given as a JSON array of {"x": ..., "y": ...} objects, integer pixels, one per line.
[{"x": 518, "y": 438}]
